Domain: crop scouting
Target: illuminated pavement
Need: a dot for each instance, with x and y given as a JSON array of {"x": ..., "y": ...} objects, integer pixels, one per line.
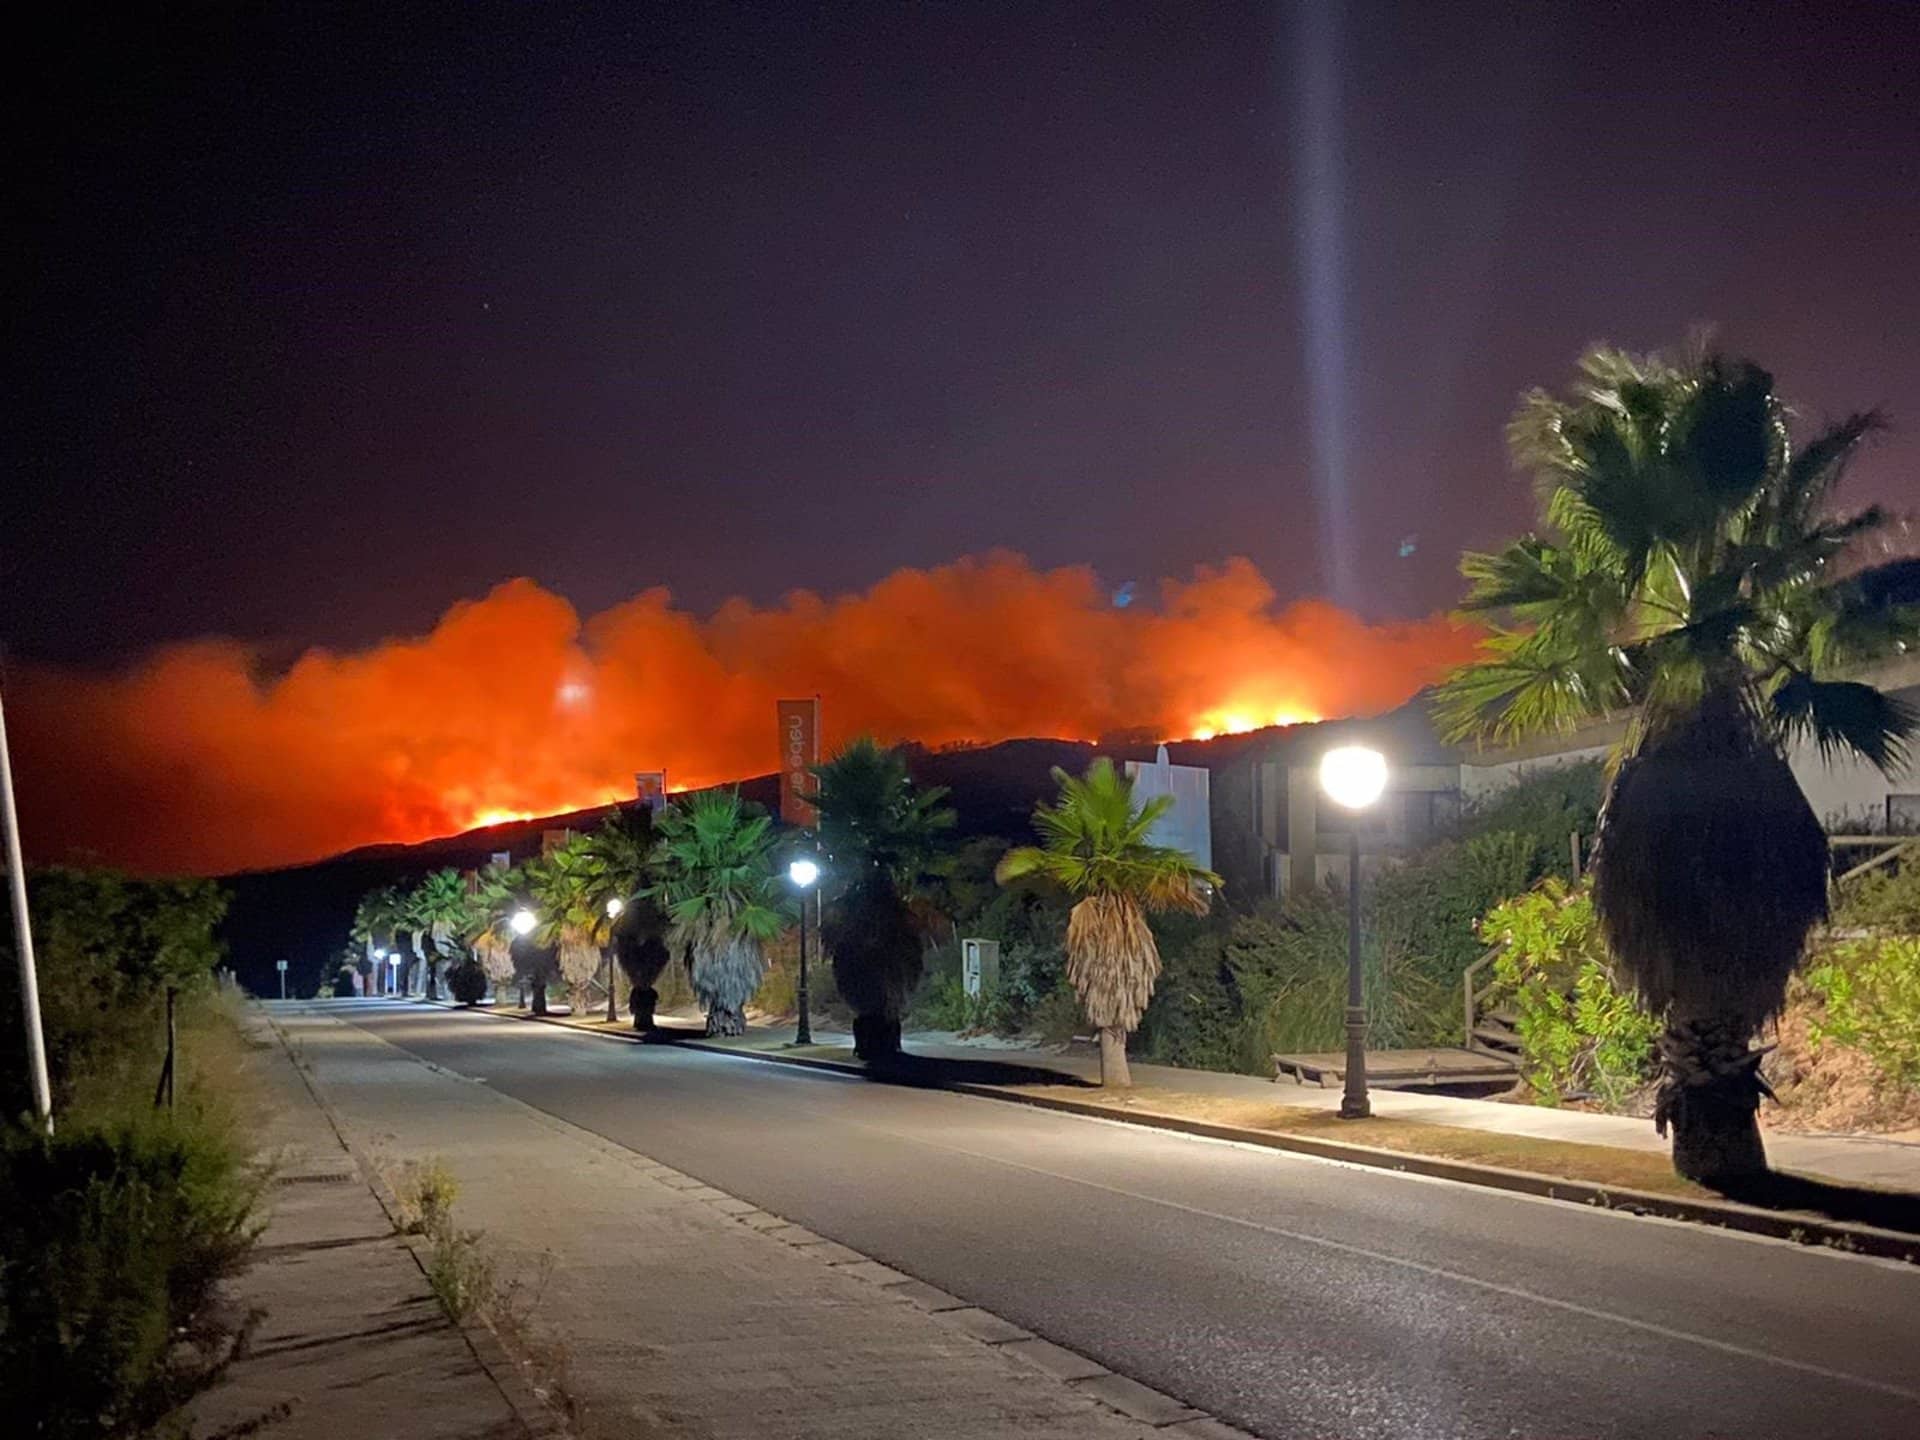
[{"x": 1294, "y": 1297}]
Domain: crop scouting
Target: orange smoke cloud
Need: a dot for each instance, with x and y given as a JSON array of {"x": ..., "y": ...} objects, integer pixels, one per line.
[{"x": 512, "y": 705}]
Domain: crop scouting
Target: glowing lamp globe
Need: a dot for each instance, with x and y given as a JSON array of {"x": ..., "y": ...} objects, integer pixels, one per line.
[
  {"x": 523, "y": 922},
  {"x": 615, "y": 905},
  {"x": 803, "y": 873},
  {"x": 1353, "y": 776}
]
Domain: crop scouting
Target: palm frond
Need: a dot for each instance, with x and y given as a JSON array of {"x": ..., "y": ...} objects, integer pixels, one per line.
[{"x": 1844, "y": 716}]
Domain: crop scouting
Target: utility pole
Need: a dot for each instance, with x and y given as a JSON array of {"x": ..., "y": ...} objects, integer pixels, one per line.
[{"x": 23, "y": 938}]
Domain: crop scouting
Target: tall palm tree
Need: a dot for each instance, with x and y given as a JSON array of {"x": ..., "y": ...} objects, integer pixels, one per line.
[
  {"x": 1094, "y": 845},
  {"x": 714, "y": 867},
  {"x": 1689, "y": 575},
  {"x": 437, "y": 909},
  {"x": 566, "y": 889},
  {"x": 622, "y": 850},
  {"x": 879, "y": 835},
  {"x": 499, "y": 892},
  {"x": 377, "y": 921}
]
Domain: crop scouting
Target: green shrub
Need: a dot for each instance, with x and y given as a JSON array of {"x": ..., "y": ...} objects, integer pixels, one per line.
[
  {"x": 1288, "y": 964},
  {"x": 467, "y": 981},
  {"x": 113, "y": 1241},
  {"x": 1545, "y": 807},
  {"x": 943, "y": 1004},
  {"x": 1428, "y": 908},
  {"x": 1581, "y": 1035},
  {"x": 1884, "y": 899},
  {"x": 1871, "y": 993},
  {"x": 1194, "y": 1017}
]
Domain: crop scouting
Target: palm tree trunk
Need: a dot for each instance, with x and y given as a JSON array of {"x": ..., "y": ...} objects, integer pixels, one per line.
[
  {"x": 539, "y": 997},
  {"x": 721, "y": 1021},
  {"x": 433, "y": 979},
  {"x": 641, "y": 1001},
  {"x": 1113, "y": 1058},
  {"x": 1710, "y": 1094}
]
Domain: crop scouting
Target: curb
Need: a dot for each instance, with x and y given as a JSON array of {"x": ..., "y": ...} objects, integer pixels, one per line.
[
  {"x": 1129, "y": 1399},
  {"x": 538, "y": 1418},
  {"x": 1793, "y": 1227}
]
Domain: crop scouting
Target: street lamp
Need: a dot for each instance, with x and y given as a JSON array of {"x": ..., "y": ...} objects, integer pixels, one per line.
[
  {"x": 614, "y": 906},
  {"x": 393, "y": 973},
  {"x": 379, "y": 960},
  {"x": 1353, "y": 777},
  {"x": 803, "y": 872},
  {"x": 523, "y": 922}
]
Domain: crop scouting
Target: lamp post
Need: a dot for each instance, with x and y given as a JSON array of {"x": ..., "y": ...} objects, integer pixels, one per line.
[
  {"x": 1353, "y": 777},
  {"x": 614, "y": 906},
  {"x": 379, "y": 976},
  {"x": 521, "y": 922},
  {"x": 23, "y": 942},
  {"x": 803, "y": 872},
  {"x": 393, "y": 973}
]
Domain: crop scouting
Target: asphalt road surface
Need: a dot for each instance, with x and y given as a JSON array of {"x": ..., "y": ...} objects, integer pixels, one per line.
[{"x": 1294, "y": 1297}]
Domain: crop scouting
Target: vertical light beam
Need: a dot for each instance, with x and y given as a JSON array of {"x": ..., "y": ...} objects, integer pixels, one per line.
[{"x": 1319, "y": 183}]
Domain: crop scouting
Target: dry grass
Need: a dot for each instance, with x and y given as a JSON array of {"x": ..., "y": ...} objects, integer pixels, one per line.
[{"x": 1559, "y": 1159}]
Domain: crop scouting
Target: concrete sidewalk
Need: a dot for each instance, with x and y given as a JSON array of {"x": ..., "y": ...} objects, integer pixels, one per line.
[
  {"x": 678, "y": 1317},
  {"x": 1858, "y": 1159},
  {"x": 353, "y": 1342}
]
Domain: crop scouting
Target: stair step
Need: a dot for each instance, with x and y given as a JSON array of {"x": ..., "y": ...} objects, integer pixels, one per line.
[{"x": 1497, "y": 1036}]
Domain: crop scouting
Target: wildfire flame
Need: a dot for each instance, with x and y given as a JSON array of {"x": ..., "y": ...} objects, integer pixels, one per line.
[{"x": 514, "y": 707}]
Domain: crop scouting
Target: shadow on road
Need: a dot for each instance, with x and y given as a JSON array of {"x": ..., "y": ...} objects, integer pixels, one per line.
[
  {"x": 910, "y": 1069},
  {"x": 1858, "y": 1204}
]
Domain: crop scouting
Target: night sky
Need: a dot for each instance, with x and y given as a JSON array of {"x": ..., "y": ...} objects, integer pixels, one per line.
[{"x": 323, "y": 317}]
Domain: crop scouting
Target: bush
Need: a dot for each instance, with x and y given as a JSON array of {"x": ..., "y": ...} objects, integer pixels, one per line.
[
  {"x": 116, "y": 1231},
  {"x": 113, "y": 1241},
  {"x": 1545, "y": 808},
  {"x": 1871, "y": 991},
  {"x": 1882, "y": 899},
  {"x": 1194, "y": 1018},
  {"x": 467, "y": 981},
  {"x": 1581, "y": 1035},
  {"x": 1288, "y": 964}
]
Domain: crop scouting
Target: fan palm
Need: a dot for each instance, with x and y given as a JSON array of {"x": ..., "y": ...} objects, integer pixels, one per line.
[
  {"x": 1094, "y": 845},
  {"x": 376, "y": 923},
  {"x": 498, "y": 894},
  {"x": 1688, "y": 576},
  {"x": 504, "y": 952},
  {"x": 879, "y": 835},
  {"x": 567, "y": 900},
  {"x": 437, "y": 909},
  {"x": 622, "y": 850},
  {"x": 714, "y": 878}
]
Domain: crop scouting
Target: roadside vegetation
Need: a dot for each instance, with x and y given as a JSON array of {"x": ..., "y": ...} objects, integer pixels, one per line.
[
  {"x": 1690, "y": 574},
  {"x": 118, "y": 1230}
]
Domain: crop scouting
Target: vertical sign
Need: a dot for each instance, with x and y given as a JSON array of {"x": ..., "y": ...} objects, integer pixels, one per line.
[
  {"x": 650, "y": 788},
  {"x": 799, "y": 751}
]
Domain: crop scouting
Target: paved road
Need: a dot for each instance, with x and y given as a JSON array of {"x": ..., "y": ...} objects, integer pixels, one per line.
[{"x": 1296, "y": 1298}]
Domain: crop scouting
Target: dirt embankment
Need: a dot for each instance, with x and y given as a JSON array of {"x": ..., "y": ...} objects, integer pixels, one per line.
[{"x": 1830, "y": 1087}]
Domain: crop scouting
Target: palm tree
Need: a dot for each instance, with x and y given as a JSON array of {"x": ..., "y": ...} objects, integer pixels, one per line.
[
  {"x": 500, "y": 892},
  {"x": 622, "y": 850},
  {"x": 1093, "y": 844},
  {"x": 879, "y": 835},
  {"x": 437, "y": 909},
  {"x": 377, "y": 921},
  {"x": 1689, "y": 576},
  {"x": 715, "y": 880},
  {"x": 567, "y": 900}
]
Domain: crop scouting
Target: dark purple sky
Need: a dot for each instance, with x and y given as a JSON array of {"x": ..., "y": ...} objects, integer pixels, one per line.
[{"x": 325, "y": 316}]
